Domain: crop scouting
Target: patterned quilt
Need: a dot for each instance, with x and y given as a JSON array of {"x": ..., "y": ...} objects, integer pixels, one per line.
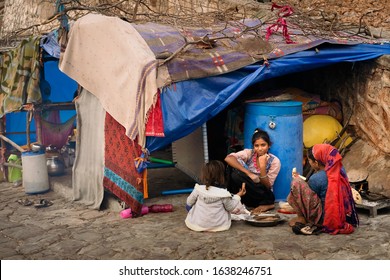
[{"x": 120, "y": 175}]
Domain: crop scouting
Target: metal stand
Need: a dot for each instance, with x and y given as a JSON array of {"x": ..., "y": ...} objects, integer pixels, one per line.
[{"x": 374, "y": 206}]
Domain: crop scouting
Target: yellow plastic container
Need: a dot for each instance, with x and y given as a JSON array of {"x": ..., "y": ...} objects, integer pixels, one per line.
[{"x": 320, "y": 128}]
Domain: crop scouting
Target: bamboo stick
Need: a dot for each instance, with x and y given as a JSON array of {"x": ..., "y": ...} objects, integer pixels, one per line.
[
  {"x": 16, "y": 146},
  {"x": 38, "y": 125},
  {"x": 12, "y": 165},
  {"x": 28, "y": 123}
]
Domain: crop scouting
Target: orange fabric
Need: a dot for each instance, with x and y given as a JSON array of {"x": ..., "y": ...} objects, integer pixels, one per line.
[
  {"x": 340, "y": 214},
  {"x": 145, "y": 181}
]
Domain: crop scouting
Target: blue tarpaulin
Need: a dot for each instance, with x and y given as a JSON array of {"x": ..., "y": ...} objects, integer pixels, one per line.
[{"x": 188, "y": 104}]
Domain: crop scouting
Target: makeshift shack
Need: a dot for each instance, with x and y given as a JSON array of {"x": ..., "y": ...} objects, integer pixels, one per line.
[{"x": 191, "y": 88}]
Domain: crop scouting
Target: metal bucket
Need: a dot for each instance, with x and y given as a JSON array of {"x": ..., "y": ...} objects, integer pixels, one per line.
[
  {"x": 283, "y": 122},
  {"x": 35, "y": 176}
]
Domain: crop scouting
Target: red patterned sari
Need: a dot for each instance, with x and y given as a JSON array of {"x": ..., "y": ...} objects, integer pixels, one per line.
[{"x": 305, "y": 201}]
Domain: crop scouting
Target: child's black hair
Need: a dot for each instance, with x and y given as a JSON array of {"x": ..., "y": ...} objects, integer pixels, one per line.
[{"x": 213, "y": 174}]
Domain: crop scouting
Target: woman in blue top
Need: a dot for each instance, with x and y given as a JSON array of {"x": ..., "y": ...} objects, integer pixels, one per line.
[
  {"x": 326, "y": 199},
  {"x": 308, "y": 200}
]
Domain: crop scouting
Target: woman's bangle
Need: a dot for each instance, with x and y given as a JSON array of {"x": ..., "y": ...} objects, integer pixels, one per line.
[{"x": 263, "y": 177}]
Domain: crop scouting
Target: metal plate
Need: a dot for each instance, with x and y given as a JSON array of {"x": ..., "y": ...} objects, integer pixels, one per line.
[
  {"x": 263, "y": 223},
  {"x": 264, "y": 220}
]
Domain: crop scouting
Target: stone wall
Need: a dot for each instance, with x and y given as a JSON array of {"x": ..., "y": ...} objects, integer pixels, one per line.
[
  {"x": 18, "y": 14},
  {"x": 364, "y": 90},
  {"x": 371, "y": 104}
]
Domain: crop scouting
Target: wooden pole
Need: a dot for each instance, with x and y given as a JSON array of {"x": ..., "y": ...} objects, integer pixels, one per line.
[
  {"x": 3, "y": 149},
  {"x": 12, "y": 165},
  {"x": 28, "y": 123},
  {"x": 16, "y": 146},
  {"x": 38, "y": 125},
  {"x": 2, "y": 130}
]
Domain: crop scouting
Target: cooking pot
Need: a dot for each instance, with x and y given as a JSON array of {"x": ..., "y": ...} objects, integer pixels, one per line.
[{"x": 55, "y": 165}]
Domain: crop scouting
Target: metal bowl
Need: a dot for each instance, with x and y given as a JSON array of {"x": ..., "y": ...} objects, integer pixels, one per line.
[
  {"x": 55, "y": 165},
  {"x": 37, "y": 147}
]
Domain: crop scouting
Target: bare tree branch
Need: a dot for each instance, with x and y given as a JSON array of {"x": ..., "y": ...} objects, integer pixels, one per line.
[{"x": 183, "y": 14}]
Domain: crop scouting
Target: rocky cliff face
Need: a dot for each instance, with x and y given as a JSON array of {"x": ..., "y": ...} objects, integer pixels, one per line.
[
  {"x": 369, "y": 101},
  {"x": 365, "y": 12},
  {"x": 18, "y": 14}
]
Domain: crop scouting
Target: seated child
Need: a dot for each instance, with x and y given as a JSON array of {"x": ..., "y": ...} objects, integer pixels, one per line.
[{"x": 211, "y": 204}]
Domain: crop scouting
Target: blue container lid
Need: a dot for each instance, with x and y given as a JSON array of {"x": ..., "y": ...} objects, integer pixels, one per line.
[
  {"x": 276, "y": 108},
  {"x": 31, "y": 153}
]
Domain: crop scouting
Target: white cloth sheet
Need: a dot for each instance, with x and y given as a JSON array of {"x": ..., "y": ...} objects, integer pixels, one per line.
[
  {"x": 110, "y": 59},
  {"x": 88, "y": 168}
]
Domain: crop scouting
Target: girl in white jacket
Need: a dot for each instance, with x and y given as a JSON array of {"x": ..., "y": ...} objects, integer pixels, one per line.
[{"x": 211, "y": 204}]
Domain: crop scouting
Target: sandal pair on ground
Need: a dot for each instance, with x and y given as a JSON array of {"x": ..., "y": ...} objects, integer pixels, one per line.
[
  {"x": 41, "y": 203},
  {"x": 306, "y": 229}
]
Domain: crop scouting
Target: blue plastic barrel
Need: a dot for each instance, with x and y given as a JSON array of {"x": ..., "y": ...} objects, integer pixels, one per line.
[{"x": 283, "y": 122}]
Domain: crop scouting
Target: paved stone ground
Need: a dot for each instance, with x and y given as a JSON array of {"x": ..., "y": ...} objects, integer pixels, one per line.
[{"x": 68, "y": 230}]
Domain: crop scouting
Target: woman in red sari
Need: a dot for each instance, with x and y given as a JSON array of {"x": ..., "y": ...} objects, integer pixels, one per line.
[{"x": 333, "y": 208}]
